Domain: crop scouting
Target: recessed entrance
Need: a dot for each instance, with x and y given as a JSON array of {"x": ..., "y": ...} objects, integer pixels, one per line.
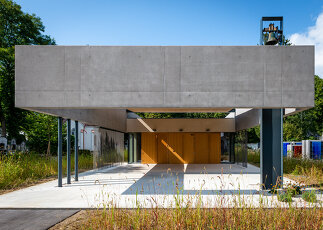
[{"x": 180, "y": 148}]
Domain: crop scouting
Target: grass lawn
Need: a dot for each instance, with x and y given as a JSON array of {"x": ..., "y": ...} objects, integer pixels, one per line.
[
  {"x": 26, "y": 169},
  {"x": 308, "y": 172}
]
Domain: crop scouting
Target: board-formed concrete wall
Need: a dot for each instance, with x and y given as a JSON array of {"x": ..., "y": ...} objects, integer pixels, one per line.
[{"x": 164, "y": 77}]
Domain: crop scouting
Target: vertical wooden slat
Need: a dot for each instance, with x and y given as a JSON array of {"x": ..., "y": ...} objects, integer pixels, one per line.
[
  {"x": 175, "y": 147},
  {"x": 162, "y": 151},
  {"x": 201, "y": 148},
  {"x": 215, "y": 148},
  {"x": 188, "y": 148},
  {"x": 148, "y": 148}
]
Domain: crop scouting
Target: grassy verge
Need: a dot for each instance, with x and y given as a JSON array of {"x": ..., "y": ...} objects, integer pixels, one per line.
[
  {"x": 22, "y": 169},
  {"x": 309, "y": 172},
  {"x": 188, "y": 218}
]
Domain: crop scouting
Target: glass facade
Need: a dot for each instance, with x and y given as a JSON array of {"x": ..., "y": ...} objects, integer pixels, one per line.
[
  {"x": 134, "y": 147},
  {"x": 240, "y": 147},
  {"x": 108, "y": 148}
]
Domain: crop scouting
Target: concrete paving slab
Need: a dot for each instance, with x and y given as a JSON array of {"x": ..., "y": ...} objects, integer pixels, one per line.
[
  {"x": 32, "y": 219},
  {"x": 151, "y": 185}
]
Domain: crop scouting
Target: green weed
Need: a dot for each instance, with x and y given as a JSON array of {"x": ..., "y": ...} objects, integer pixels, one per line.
[
  {"x": 21, "y": 169},
  {"x": 309, "y": 196}
]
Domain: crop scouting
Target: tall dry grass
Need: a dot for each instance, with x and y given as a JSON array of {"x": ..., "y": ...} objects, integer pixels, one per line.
[
  {"x": 21, "y": 169},
  {"x": 189, "y": 218},
  {"x": 306, "y": 171}
]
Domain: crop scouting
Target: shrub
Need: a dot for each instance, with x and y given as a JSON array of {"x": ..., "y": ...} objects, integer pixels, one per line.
[
  {"x": 294, "y": 190},
  {"x": 84, "y": 152},
  {"x": 309, "y": 196},
  {"x": 285, "y": 197}
]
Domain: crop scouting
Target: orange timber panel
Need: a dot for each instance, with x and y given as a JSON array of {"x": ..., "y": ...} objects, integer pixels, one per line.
[
  {"x": 175, "y": 147},
  {"x": 188, "y": 148},
  {"x": 148, "y": 148},
  {"x": 179, "y": 148},
  {"x": 201, "y": 148},
  {"x": 215, "y": 148},
  {"x": 162, "y": 148}
]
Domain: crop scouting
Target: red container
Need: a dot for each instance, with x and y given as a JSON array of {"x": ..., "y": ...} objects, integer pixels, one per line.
[{"x": 297, "y": 151}]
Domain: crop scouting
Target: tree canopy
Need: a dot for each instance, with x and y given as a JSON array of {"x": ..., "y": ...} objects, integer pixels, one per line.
[
  {"x": 309, "y": 123},
  {"x": 16, "y": 28}
]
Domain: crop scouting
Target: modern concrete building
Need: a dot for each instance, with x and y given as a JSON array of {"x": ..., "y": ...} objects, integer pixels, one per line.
[{"x": 104, "y": 85}]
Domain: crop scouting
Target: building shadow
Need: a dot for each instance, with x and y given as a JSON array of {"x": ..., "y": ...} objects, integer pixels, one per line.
[{"x": 166, "y": 179}]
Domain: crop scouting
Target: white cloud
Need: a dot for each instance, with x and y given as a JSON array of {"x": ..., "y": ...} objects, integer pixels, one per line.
[{"x": 314, "y": 36}]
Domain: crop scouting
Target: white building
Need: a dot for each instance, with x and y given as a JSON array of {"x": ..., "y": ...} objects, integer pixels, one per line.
[{"x": 87, "y": 136}]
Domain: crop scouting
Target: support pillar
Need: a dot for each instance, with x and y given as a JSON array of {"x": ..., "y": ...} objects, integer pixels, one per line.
[
  {"x": 68, "y": 152},
  {"x": 76, "y": 151},
  {"x": 308, "y": 149},
  {"x": 231, "y": 148},
  {"x": 130, "y": 148},
  {"x": 271, "y": 156},
  {"x": 135, "y": 148},
  {"x": 59, "y": 152}
]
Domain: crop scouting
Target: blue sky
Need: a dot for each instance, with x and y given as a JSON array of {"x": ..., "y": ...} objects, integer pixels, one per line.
[
  {"x": 152, "y": 22},
  {"x": 169, "y": 22}
]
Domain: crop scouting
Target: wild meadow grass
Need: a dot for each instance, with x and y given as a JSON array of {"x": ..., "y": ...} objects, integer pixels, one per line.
[
  {"x": 286, "y": 209},
  {"x": 200, "y": 218},
  {"x": 21, "y": 169},
  {"x": 192, "y": 213},
  {"x": 307, "y": 171}
]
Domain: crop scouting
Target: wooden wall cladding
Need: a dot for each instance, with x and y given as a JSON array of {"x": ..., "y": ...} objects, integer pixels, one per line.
[
  {"x": 149, "y": 148},
  {"x": 180, "y": 148}
]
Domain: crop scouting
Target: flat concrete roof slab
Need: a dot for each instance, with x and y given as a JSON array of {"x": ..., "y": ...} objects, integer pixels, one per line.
[{"x": 164, "y": 77}]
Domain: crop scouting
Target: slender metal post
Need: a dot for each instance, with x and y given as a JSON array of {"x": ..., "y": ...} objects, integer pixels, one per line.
[
  {"x": 231, "y": 147},
  {"x": 59, "y": 152},
  {"x": 135, "y": 148},
  {"x": 130, "y": 160},
  {"x": 76, "y": 166},
  {"x": 261, "y": 33},
  {"x": 281, "y": 28},
  {"x": 68, "y": 151}
]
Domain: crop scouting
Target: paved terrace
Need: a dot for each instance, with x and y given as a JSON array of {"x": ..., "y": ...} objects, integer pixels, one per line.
[{"x": 133, "y": 185}]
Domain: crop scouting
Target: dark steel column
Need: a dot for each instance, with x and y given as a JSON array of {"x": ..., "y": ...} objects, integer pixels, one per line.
[
  {"x": 135, "y": 148},
  {"x": 59, "y": 152},
  {"x": 231, "y": 148},
  {"x": 76, "y": 165},
  {"x": 130, "y": 160},
  {"x": 271, "y": 157},
  {"x": 68, "y": 152}
]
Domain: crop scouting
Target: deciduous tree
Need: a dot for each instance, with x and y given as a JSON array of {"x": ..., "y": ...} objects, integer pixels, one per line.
[{"x": 16, "y": 28}]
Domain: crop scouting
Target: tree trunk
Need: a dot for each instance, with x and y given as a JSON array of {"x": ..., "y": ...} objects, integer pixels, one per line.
[
  {"x": 3, "y": 124},
  {"x": 48, "y": 146}
]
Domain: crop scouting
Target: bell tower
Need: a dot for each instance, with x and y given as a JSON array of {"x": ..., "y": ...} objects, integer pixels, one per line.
[
  {"x": 271, "y": 119},
  {"x": 269, "y": 33}
]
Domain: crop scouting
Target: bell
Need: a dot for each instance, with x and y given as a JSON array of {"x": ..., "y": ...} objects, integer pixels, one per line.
[{"x": 272, "y": 40}]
